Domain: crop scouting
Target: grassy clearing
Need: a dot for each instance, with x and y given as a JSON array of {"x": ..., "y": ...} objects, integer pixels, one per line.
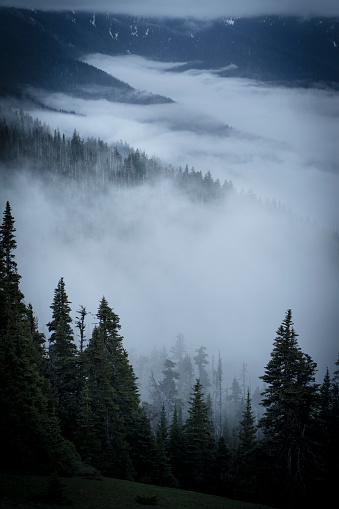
[{"x": 29, "y": 492}]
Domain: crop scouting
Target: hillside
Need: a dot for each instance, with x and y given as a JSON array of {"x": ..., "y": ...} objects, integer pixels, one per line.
[
  {"x": 36, "y": 57},
  {"x": 43, "y": 48},
  {"x": 106, "y": 493}
]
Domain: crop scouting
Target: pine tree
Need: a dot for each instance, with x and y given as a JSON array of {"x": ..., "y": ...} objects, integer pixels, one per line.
[
  {"x": 30, "y": 437},
  {"x": 62, "y": 363},
  {"x": 163, "y": 471},
  {"x": 288, "y": 423},
  {"x": 11, "y": 297},
  {"x": 247, "y": 455},
  {"x": 176, "y": 447},
  {"x": 168, "y": 386},
  {"x": 223, "y": 474},
  {"x": 112, "y": 398},
  {"x": 200, "y": 444},
  {"x": 201, "y": 361}
]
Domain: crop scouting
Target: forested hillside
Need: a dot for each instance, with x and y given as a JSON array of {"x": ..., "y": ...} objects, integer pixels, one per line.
[
  {"x": 76, "y": 402},
  {"x": 44, "y": 48},
  {"x": 74, "y": 407}
]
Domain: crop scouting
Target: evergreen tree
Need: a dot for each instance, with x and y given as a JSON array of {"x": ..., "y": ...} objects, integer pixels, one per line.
[
  {"x": 62, "y": 365},
  {"x": 288, "y": 423},
  {"x": 11, "y": 297},
  {"x": 176, "y": 447},
  {"x": 246, "y": 455},
  {"x": 201, "y": 361},
  {"x": 200, "y": 444},
  {"x": 168, "y": 387},
  {"x": 163, "y": 471},
  {"x": 223, "y": 475},
  {"x": 112, "y": 398},
  {"x": 30, "y": 437},
  {"x": 103, "y": 441}
]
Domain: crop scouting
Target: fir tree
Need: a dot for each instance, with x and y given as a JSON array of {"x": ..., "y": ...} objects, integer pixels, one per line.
[
  {"x": 62, "y": 363},
  {"x": 30, "y": 437},
  {"x": 176, "y": 447},
  {"x": 11, "y": 297},
  {"x": 288, "y": 423},
  {"x": 200, "y": 442},
  {"x": 201, "y": 361},
  {"x": 246, "y": 455}
]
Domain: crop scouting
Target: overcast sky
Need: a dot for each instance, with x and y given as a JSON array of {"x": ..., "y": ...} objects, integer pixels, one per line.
[{"x": 194, "y": 8}]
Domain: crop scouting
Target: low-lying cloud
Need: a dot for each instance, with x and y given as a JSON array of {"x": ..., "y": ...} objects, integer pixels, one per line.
[
  {"x": 189, "y": 8},
  {"x": 223, "y": 276}
]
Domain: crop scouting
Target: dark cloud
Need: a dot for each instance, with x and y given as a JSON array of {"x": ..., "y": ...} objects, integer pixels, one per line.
[{"x": 192, "y": 8}]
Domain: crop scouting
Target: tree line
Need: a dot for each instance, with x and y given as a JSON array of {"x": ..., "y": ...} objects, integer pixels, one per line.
[
  {"x": 74, "y": 407},
  {"x": 28, "y": 143}
]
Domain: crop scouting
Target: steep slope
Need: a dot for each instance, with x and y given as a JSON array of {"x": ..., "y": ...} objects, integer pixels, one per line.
[
  {"x": 35, "y": 56},
  {"x": 297, "y": 51}
]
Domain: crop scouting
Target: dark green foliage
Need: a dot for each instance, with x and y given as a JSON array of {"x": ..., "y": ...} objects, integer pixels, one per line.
[
  {"x": 176, "y": 447},
  {"x": 62, "y": 361},
  {"x": 30, "y": 437},
  {"x": 246, "y": 457},
  {"x": 163, "y": 470},
  {"x": 223, "y": 473},
  {"x": 111, "y": 426},
  {"x": 93, "y": 162},
  {"x": 11, "y": 298},
  {"x": 92, "y": 397},
  {"x": 288, "y": 424},
  {"x": 200, "y": 444}
]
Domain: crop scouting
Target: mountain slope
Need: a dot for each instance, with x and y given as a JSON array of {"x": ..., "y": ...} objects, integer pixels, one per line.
[
  {"x": 296, "y": 51},
  {"x": 35, "y": 56}
]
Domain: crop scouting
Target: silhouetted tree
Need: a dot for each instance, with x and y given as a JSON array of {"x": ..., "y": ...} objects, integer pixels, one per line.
[{"x": 288, "y": 423}]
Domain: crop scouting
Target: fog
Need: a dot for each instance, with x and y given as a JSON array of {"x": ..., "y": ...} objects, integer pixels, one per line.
[
  {"x": 194, "y": 8},
  {"x": 223, "y": 275}
]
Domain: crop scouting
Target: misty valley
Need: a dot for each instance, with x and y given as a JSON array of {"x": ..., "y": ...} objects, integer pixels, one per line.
[{"x": 174, "y": 183}]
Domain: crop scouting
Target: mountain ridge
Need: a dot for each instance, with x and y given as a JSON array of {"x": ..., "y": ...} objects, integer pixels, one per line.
[{"x": 45, "y": 48}]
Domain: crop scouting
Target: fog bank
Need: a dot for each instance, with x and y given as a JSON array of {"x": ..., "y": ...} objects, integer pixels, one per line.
[{"x": 225, "y": 275}]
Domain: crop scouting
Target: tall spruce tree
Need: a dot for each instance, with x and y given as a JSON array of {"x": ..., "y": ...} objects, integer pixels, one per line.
[
  {"x": 30, "y": 437},
  {"x": 200, "y": 443},
  {"x": 176, "y": 447},
  {"x": 247, "y": 455},
  {"x": 288, "y": 423},
  {"x": 113, "y": 400},
  {"x": 62, "y": 364},
  {"x": 11, "y": 297},
  {"x": 201, "y": 360}
]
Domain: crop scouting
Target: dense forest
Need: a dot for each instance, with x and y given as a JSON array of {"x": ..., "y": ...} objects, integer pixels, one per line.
[
  {"x": 77, "y": 403},
  {"x": 27, "y": 143},
  {"x": 74, "y": 407}
]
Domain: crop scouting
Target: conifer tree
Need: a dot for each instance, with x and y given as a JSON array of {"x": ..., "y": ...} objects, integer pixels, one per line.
[
  {"x": 11, "y": 297},
  {"x": 201, "y": 361},
  {"x": 168, "y": 386},
  {"x": 62, "y": 363},
  {"x": 288, "y": 423},
  {"x": 246, "y": 455},
  {"x": 223, "y": 475},
  {"x": 176, "y": 447},
  {"x": 30, "y": 437},
  {"x": 163, "y": 470},
  {"x": 200, "y": 444},
  {"x": 113, "y": 398}
]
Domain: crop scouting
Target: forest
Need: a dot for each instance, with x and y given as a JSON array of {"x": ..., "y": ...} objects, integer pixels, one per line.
[{"x": 76, "y": 402}]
